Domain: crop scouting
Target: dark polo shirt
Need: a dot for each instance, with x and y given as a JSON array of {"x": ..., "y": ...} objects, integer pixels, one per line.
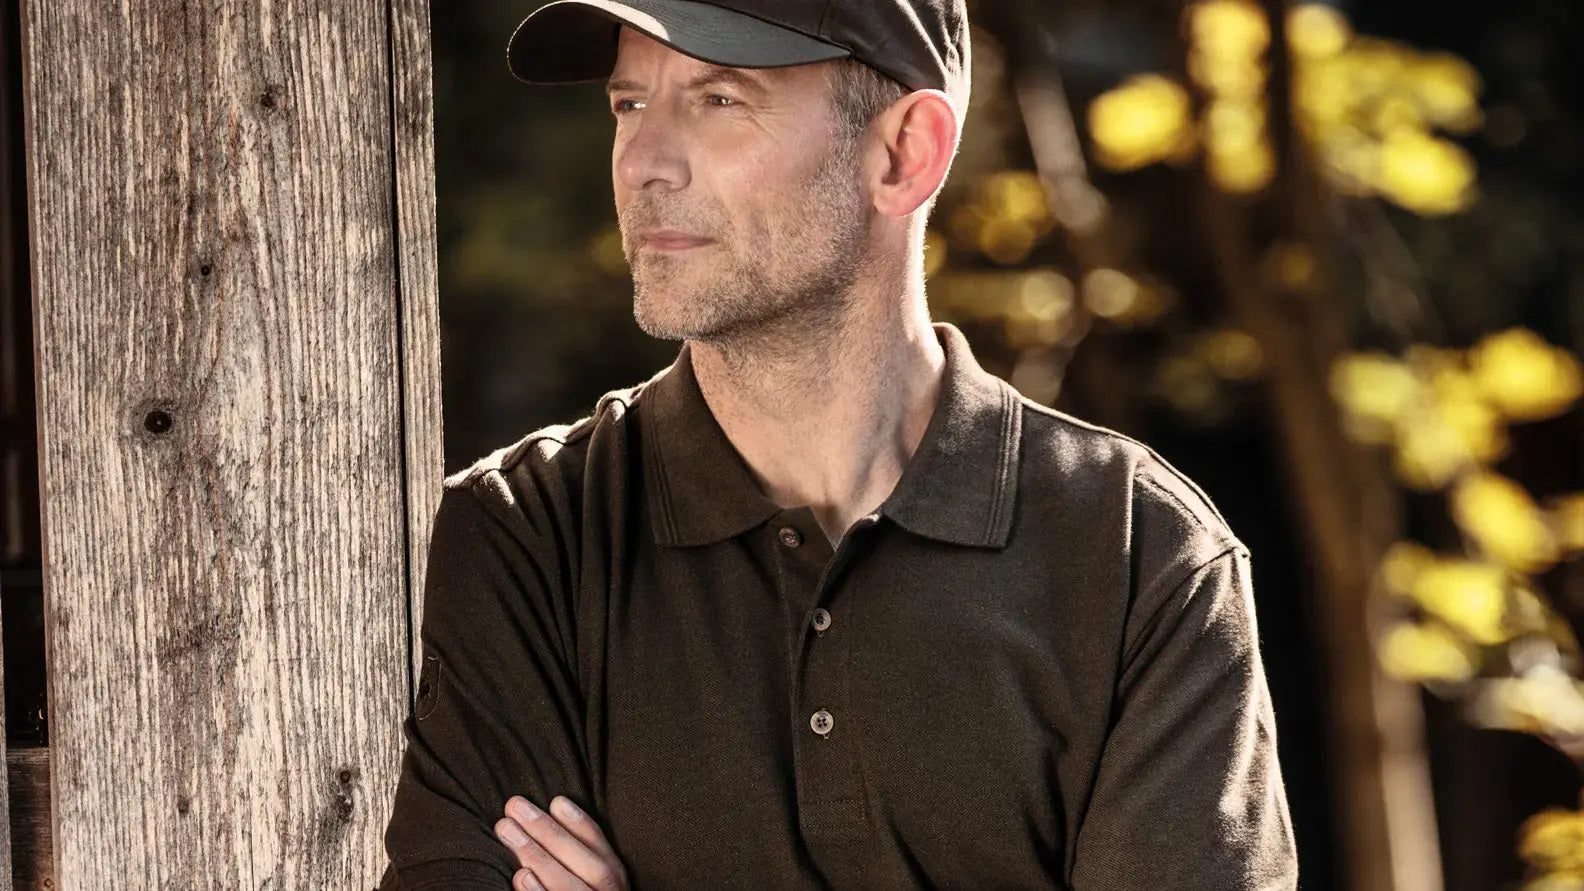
[{"x": 1036, "y": 665}]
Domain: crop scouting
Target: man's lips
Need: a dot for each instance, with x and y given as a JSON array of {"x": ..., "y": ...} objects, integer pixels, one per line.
[{"x": 671, "y": 240}]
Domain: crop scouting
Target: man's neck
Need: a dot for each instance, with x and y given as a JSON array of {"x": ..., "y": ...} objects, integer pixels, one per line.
[{"x": 828, "y": 415}]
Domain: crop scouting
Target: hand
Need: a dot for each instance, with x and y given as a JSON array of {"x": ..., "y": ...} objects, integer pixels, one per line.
[{"x": 563, "y": 850}]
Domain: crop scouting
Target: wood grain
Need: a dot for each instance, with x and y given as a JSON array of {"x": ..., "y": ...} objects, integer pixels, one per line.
[
  {"x": 412, "y": 67},
  {"x": 222, "y": 316}
]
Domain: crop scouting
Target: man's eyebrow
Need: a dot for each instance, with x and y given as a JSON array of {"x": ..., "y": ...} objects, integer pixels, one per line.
[
  {"x": 616, "y": 84},
  {"x": 711, "y": 77},
  {"x": 732, "y": 76}
]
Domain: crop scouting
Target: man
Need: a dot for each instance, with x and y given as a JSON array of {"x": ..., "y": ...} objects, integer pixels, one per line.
[{"x": 822, "y": 604}]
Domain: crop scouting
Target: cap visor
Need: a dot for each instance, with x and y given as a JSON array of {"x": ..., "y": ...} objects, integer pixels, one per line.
[{"x": 570, "y": 41}]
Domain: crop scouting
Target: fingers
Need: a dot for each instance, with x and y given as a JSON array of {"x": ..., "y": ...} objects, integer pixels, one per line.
[
  {"x": 564, "y": 849},
  {"x": 585, "y": 830},
  {"x": 531, "y": 853}
]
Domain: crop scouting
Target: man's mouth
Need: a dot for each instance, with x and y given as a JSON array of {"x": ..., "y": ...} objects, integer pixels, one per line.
[{"x": 671, "y": 240}]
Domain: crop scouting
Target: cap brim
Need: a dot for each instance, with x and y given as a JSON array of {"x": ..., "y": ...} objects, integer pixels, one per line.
[{"x": 571, "y": 41}]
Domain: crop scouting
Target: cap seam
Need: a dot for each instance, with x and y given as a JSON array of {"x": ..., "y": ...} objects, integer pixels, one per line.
[{"x": 825, "y": 20}]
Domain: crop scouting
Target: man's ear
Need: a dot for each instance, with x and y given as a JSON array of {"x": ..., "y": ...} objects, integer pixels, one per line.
[{"x": 919, "y": 134}]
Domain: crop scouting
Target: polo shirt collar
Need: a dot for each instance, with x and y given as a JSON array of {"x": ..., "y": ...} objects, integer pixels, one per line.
[{"x": 959, "y": 486}]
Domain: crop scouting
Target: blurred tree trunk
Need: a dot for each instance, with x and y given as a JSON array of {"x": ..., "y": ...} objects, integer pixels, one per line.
[{"x": 1344, "y": 500}]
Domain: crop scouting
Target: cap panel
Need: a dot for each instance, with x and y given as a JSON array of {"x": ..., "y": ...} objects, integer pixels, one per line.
[
  {"x": 799, "y": 15},
  {"x": 922, "y": 43},
  {"x": 575, "y": 40}
]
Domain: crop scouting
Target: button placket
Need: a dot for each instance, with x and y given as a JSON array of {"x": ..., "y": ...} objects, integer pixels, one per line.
[{"x": 832, "y": 802}]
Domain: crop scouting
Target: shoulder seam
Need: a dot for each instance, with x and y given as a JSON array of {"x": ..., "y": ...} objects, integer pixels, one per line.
[
  {"x": 561, "y": 434},
  {"x": 1193, "y": 571},
  {"x": 1224, "y": 537},
  {"x": 1069, "y": 420}
]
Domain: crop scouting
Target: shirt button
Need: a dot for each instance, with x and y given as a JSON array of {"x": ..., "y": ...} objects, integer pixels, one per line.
[
  {"x": 822, "y": 722},
  {"x": 790, "y": 537},
  {"x": 822, "y": 619}
]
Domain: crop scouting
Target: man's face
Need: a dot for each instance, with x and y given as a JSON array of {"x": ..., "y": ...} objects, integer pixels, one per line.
[{"x": 739, "y": 204}]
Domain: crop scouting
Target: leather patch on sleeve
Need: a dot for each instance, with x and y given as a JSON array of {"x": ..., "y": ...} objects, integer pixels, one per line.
[{"x": 428, "y": 686}]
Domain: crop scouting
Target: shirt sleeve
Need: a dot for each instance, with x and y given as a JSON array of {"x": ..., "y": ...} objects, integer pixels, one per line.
[
  {"x": 499, "y": 710},
  {"x": 1189, "y": 793}
]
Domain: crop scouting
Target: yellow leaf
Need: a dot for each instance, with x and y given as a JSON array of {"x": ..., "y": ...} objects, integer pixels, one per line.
[
  {"x": 1428, "y": 455},
  {"x": 1413, "y": 652},
  {"x": 1525, "y": 377},
  {"x": 1242, "y": 171},
  {"x": 1315, "y": 30},
  {"x": 1140, "y": 122},
  {"x": 1470, "y": 597},
  {"x": 1374, "y": 66},
  {"x": 1429, "y": 176},
  {"x": 1553, "y": 840},
  {"x": 1460, "y": 408},
  {"x": 1228, "y": 28},
  {"x": 1232, "y": 126},
  {"x": 1445, "y": 88},
  {"x": 1322, "y": 93},
  {"x": 1236, "y": 77},
  {"x": 1506, "y": 523},
  {"x": 1401, "y": 565},
  {"x": 1375, "y": 390},
  {"x": 1393, "y": 113}
]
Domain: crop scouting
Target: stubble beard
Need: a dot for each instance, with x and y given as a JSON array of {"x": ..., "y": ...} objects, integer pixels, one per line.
[{"x": 741, "y": 289}]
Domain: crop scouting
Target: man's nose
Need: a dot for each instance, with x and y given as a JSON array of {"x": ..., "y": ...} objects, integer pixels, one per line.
[{"x": 652, "y": 154}]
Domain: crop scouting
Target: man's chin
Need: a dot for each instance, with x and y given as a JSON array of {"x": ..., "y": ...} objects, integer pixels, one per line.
[{"x": 658, "y": 316}]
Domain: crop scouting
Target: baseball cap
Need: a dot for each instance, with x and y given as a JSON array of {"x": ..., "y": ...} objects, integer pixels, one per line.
[{"x": 921, "y": 44}]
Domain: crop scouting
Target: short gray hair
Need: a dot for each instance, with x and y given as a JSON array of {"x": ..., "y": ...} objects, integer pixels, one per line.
[{"x": 859, "y": 94}]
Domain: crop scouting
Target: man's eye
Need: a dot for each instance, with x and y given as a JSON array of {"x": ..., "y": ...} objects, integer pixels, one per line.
[
  {"x": 719, "y": 101},
  {"x": 625, "y": 105}
]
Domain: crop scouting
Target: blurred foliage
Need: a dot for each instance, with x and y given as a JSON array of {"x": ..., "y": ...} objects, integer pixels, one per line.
[
  {"x": 1368, "y": 106},
  {"x": 1477, "y": 626}
]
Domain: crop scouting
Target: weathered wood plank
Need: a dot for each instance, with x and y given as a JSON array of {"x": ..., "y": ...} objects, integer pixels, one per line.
[
  {"x": 221, "y": 325},
  {"x": 412, "y": 78}
]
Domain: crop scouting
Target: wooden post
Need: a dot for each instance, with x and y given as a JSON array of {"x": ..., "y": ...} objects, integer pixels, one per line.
[{"x": 232, "y": 220}]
